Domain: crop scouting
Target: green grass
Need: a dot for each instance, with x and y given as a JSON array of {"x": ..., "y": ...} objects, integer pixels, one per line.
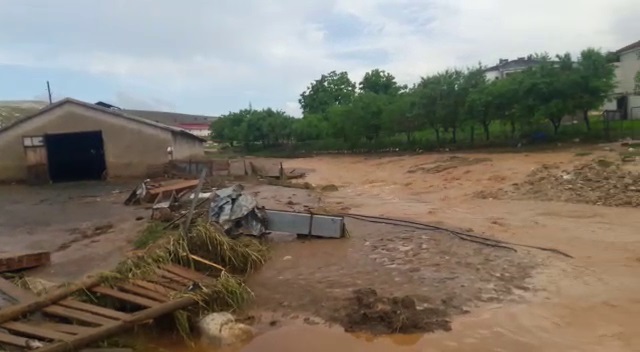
[{"x": 150, "y": 235}]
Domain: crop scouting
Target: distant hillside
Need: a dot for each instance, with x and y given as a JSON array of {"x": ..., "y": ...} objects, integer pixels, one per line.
[{"x": 13, "y": 110}]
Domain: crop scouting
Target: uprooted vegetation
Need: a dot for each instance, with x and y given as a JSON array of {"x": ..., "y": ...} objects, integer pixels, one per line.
[
  {"x": 601, "y": 182},
  {"x": 204, "y": 248}
]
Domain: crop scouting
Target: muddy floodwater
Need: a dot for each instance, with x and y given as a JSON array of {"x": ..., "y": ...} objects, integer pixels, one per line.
[{"x": 495, "y": 299}]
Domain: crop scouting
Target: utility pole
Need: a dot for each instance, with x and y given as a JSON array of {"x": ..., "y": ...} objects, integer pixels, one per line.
[{"x": 49, "y": 91}]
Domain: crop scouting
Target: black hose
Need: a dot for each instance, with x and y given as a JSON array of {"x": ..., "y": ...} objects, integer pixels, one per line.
[{"x": 461, "y": 235}]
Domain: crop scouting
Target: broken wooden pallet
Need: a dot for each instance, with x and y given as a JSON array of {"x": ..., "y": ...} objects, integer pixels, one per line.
[{"x": 70, "y": 324}]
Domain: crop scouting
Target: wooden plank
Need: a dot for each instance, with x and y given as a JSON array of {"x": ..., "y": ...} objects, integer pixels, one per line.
[
  {"x": 174, "y": 186},
  {"x": 145, "y": 302},
  {"x": 173, "y": 277},
  {"x": 166, "y": 292},
  {"x": 76, "y": 315},
  {"x": 35, "y": 331},
  {"x": 93, "y": 309},
  {"x": 24, "y": 261},
  {"x": 118, "y": 327},
  {"x": 168, "y": 284},
  {"x": 107, "y": 350},
  {"x": 139, "y": 291},
  {"x": 18, "y": 310},
  {"x": 65, "y": 328},
  {"x": 13, "y": 340},
  {"x": 15, "y": 292},
  {"x": 186, "y": 273}
]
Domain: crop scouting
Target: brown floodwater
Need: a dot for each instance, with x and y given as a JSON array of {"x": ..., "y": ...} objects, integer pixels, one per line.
[{"x": 588, "y": 303}]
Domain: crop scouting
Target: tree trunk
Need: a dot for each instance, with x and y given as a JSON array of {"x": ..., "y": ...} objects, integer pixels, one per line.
[
  {"x": 473, "y": 134},
  {"x": 485, "y": 127},
  {"x": 408, "y": 137},
  {"x": 513, "y": 128},
  {"x": 454, "y": 138},
  {"x": 437, "y": 130},
  {"x": 585, "y": 117},
  {"x": 556, "y": 125}
]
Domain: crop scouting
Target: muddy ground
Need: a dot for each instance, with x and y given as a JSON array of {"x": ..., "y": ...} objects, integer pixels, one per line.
[
  {"x": 495, "y": 299},
  {"x": 84, "y": 225},
  {"x": 589, "y": 303}
]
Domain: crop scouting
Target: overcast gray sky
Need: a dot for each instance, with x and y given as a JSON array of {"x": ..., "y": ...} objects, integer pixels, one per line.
[{"x": 211, "y": 57}]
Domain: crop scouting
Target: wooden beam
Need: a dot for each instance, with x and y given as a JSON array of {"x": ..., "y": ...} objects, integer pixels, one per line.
[
  {"x": 65, "y": 328},
  {"x": 173, "y": 277},
  {"x": 170, "y": 285},
  {"x": 17, "y": 310},
  {"x": 141, "y": 301},
  {"x": 118, "y": 327},
  {"x": 143, "y": 292},
  {"x": 36, "y": 331},
  {"x": 73, "y": 314},
  {"x": 93, "y": 309},
  {"x": 166, "y": 292},
  {"x": 13, "y": 340},
  {"x": 19, "y": 294},
  {"x": 186, "y": 273}
]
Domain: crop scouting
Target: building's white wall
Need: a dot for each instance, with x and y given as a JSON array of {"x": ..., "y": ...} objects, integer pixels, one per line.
[
  {"x": 626, "y": 71},
  {"x": 492, "y": 75},
  {"x": 634, "y": 107}
]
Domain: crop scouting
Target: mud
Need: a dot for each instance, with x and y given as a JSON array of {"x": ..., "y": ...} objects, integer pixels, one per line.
[
  {"x": 84, "y": 225},
  {"x": 600, "y": 182},
  {"x": 315, "y": 277},
  {"x": 366, "y": 311},
  {"x": 445, "y": 163}
]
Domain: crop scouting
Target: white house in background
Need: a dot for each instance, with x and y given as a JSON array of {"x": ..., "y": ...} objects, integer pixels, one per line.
[
  {"x": 505, "y": 67},
  {"x": 626, "y": 98}
]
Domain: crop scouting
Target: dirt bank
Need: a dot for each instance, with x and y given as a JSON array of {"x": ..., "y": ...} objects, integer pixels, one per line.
[{"x": 598, "y": 182}]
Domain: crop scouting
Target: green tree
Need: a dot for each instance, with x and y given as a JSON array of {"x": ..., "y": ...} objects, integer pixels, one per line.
[
  {"x": 229, "y": 128},
  {"x": 380, "y": 82},
  {"x": 401, "y": 115},
  {"x": 366, "y": 115},
  {"x": 593, "y": 82},
  {"x": 427, "y": 94},
  {"x": 310, "y": 128},
  {"x": 329, "y": 90}
]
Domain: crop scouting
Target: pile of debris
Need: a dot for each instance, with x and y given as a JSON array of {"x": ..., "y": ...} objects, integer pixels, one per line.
[
  {"x": 367, "y": 311},
  {"x": 598, "y": 183},
  {"x": 231, "y": 209}
]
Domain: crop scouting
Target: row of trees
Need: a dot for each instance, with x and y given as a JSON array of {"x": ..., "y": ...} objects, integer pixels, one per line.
[{"x": 446, "y": 103}]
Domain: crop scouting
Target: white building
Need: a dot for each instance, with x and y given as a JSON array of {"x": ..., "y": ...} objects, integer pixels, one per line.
[
  {"x": 505, "y": 67},
  {"x": 626, "y": 97}
]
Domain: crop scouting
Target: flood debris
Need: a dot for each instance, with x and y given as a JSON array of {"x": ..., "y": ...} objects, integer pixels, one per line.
[
  {"x": 221, "y": 329},
  {"x": 601, "y": 182},
  {"x": 153, "y": 192},
  {"x": 237, "y": 212},
  {"x": 21, "y": 261},
  {"x": 366, "y": 311}
]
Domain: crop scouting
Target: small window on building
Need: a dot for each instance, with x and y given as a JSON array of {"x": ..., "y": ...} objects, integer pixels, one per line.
[{"x": 33, "y": 141}]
